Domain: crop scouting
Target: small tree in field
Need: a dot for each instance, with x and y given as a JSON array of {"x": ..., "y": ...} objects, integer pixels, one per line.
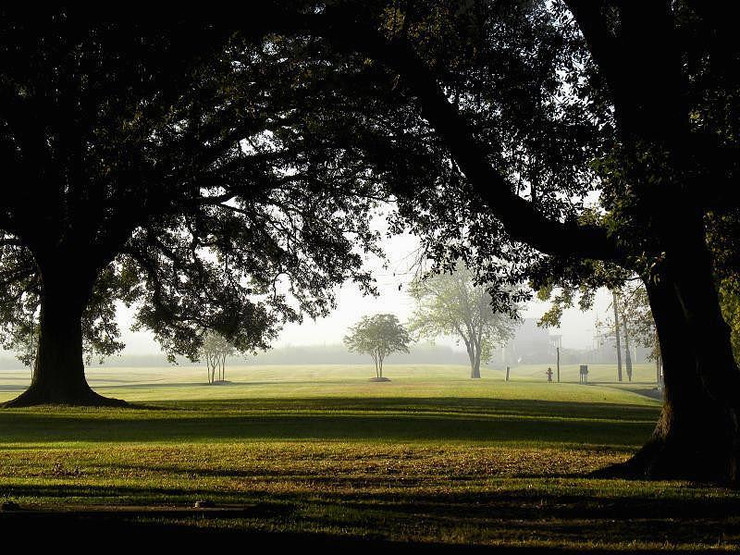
[
  {"x": 378, "y": 336},
  {"x": 214, "y": 351}
]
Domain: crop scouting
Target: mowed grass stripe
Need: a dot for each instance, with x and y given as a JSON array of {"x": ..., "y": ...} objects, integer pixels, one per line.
[{"x": 39, "y": 429}]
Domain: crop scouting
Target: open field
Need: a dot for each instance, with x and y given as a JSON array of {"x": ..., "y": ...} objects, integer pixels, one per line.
[
  {"x": 430, "y": 457},
  {"x": 259, "y": 382}
]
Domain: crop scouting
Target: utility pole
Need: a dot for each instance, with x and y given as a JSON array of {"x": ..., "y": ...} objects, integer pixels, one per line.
[
  {"x": 557, "y": 342},
  {"x": 657, "y": 362},
  {"x": 627, "y": 354},
  {"x": 616, "y": 334}
]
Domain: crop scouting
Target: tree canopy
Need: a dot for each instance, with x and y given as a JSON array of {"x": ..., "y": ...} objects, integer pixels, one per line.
[{"x": 171, "y": 169}]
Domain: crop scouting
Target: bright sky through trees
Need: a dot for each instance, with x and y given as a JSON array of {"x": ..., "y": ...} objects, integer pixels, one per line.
[{"x": 577, "y": 327}]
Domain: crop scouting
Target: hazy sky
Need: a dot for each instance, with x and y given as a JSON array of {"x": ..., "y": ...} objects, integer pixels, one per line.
[{"x": 577, "y": 328}]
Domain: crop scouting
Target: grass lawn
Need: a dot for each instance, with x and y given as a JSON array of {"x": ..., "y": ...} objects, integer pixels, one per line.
[{"x": 429, "y": 457}]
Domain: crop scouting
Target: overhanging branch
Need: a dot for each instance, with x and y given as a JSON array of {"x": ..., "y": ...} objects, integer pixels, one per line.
[{"x": 521, "y": 220}]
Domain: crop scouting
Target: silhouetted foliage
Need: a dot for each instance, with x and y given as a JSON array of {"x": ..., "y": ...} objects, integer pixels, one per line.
[{"x": 172, "y": 169}]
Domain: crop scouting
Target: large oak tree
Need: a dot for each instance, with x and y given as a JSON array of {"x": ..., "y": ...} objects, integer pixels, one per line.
[{"x": 176, "y": 167}]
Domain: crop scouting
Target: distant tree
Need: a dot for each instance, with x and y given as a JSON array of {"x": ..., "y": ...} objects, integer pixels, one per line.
[
  {"x": 638, "y": 323},
  {"x": 378, "y": 336},
  {"x": 630, "y": 308},
  {"x": 618, "y": 334},
  {"x": 213, "y": 352},
  {"x": 453, "y": 304}
]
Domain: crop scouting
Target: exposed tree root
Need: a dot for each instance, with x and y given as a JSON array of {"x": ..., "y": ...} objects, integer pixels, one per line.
[{"x": 670, "y": 460}]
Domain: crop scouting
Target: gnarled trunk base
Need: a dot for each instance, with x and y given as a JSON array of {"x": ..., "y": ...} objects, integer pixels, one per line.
[
  {"x": 697, "y": 435},
  {"x": 669, "y": 460},
  {"x": 77, "y": 396},
  {"x": 59, "y": 370},
  {"x": 710, "y": 456}
]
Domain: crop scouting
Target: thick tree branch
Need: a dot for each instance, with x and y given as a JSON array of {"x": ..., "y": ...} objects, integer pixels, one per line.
[
  {"x": 521, "y": 220},
  {"x": 637, "y": 55}
]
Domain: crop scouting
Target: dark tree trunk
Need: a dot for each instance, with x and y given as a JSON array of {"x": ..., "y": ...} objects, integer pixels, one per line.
[
  {"x": 59, "y": 371},
  {"x": 697, "y": 434},
  {"x": 475, "y": 369}
]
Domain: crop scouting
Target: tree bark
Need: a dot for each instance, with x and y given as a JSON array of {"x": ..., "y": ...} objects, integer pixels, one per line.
[
  {"x": 59, "y": 371},
  {"x": 697, "y": 434},
  {"x": 474, "y": 357}
]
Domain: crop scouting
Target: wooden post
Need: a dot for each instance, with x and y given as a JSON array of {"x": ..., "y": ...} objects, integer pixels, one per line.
[
  {"x": 507, "y": 373},
  {"x": 557, "y": 350}
]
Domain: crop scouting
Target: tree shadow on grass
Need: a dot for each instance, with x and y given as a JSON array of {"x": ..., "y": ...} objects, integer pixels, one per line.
[
  {"x": 510, "y": 519},
  {"x": 430, "y": 419},
  {"x": 133, "y": 534},
  {"x": 450, "y": 405}
]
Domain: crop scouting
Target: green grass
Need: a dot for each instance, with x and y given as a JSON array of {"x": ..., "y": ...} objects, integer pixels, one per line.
[{"x": 429, "y": 457}]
